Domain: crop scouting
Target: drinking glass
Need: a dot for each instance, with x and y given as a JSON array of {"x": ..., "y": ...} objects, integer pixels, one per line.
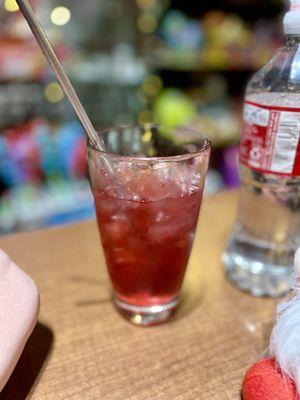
[{"x": 147, "y": 213}]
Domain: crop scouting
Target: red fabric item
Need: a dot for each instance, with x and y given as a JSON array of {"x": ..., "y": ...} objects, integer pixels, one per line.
[{"x": 264, "y": 381}]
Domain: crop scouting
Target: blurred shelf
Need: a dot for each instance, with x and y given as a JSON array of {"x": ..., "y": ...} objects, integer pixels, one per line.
[
  {"x": 248, "y": 9},
  {"x": 31, "y": 207},
  {"x": 201, "y": 61},
  {"x": 23, "y": 81}
]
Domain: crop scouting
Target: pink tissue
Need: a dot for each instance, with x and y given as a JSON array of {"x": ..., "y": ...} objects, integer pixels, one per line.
[{"x": 19, "y": 306}]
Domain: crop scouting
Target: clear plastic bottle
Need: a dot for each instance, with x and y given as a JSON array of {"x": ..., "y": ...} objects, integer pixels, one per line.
[{"x": 260, "y": 253}]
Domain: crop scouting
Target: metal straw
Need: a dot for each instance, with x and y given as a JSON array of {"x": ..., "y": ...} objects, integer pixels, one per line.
[{"x": 49, "y": 53}]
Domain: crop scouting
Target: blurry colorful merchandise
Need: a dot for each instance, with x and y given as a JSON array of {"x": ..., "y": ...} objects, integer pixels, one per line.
[
  {"x": 174, "y": 108},
  {"x": 20, "y": 60},
  {"x": 181, "y": 32},
  {"x": 36, "y": 152},
  {"x": 218, "y": 40},
  {"x": 32, "y": 206},
  {"x": 211, "y": 113}
]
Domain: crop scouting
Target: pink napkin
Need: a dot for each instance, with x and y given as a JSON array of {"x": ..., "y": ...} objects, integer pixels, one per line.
[{"x": 19, "y": 306}]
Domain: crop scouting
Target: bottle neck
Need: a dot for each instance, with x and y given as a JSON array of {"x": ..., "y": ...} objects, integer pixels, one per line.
[{"x": 292, "y": 40}]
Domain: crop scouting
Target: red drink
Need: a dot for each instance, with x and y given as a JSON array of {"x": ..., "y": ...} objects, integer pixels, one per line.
[
  {"x": 148, "y": 192},
  {"x": 147, "y": 242}
]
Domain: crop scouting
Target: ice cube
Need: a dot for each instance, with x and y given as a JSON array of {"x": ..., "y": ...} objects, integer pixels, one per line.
[
  {"x": 120, "y": 217},
  {"x": 115, "y": 232},
  {"x": 160, "y": 217},
  {"x": 100, "y": 179},
  {"x": 196, "y": 183},
  {"x": 123, "y": 256},
  {"x": 159, "y": 185},
  {"x": 144, "y": 182},
  {"x": 187, "y": 178},
  {"x": 161, "y": 232},
  {"x": 105, "y": 209}
]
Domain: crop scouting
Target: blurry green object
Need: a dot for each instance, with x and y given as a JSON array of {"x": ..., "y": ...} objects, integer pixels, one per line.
[{"x": 173, "y": 108}]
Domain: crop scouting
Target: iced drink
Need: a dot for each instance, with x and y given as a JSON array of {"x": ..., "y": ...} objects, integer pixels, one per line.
[
  {"x": 147, "y": 228},
  {"x": 147, "y": 242}
]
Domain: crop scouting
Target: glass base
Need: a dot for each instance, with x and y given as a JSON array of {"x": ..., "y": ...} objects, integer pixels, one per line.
[
  {"x": 268, "y": 281},
  {"x": 146, "y": 316}
]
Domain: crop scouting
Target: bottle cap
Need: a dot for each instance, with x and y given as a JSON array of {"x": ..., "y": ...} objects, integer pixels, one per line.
[{"x": 291, "y": 20}]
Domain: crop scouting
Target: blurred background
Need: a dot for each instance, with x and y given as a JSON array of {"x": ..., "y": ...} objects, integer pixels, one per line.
[{"x": 172, "y": 62}]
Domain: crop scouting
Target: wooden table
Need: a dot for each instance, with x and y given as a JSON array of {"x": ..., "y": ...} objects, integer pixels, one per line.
[{"x": 82, "y": 349}]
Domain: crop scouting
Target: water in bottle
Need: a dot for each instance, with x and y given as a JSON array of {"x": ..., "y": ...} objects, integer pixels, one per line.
[{"x": 260, "y": 252}]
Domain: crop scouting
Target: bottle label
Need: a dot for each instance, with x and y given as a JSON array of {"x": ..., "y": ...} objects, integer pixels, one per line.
[{"x": 271, "y": 139}]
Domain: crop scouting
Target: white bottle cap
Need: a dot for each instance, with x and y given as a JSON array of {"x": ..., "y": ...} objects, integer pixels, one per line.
[{"x": 291, "y": 20}]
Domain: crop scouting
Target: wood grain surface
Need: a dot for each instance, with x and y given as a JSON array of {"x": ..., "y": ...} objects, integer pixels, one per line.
[{"x": 83, "y": 349}]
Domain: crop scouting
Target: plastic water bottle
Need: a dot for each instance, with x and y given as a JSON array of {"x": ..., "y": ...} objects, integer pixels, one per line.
[{"x": 260, "y": 252}]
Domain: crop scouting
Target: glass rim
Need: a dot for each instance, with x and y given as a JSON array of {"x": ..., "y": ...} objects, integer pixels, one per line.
[{"x": 182, "y": 157}]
